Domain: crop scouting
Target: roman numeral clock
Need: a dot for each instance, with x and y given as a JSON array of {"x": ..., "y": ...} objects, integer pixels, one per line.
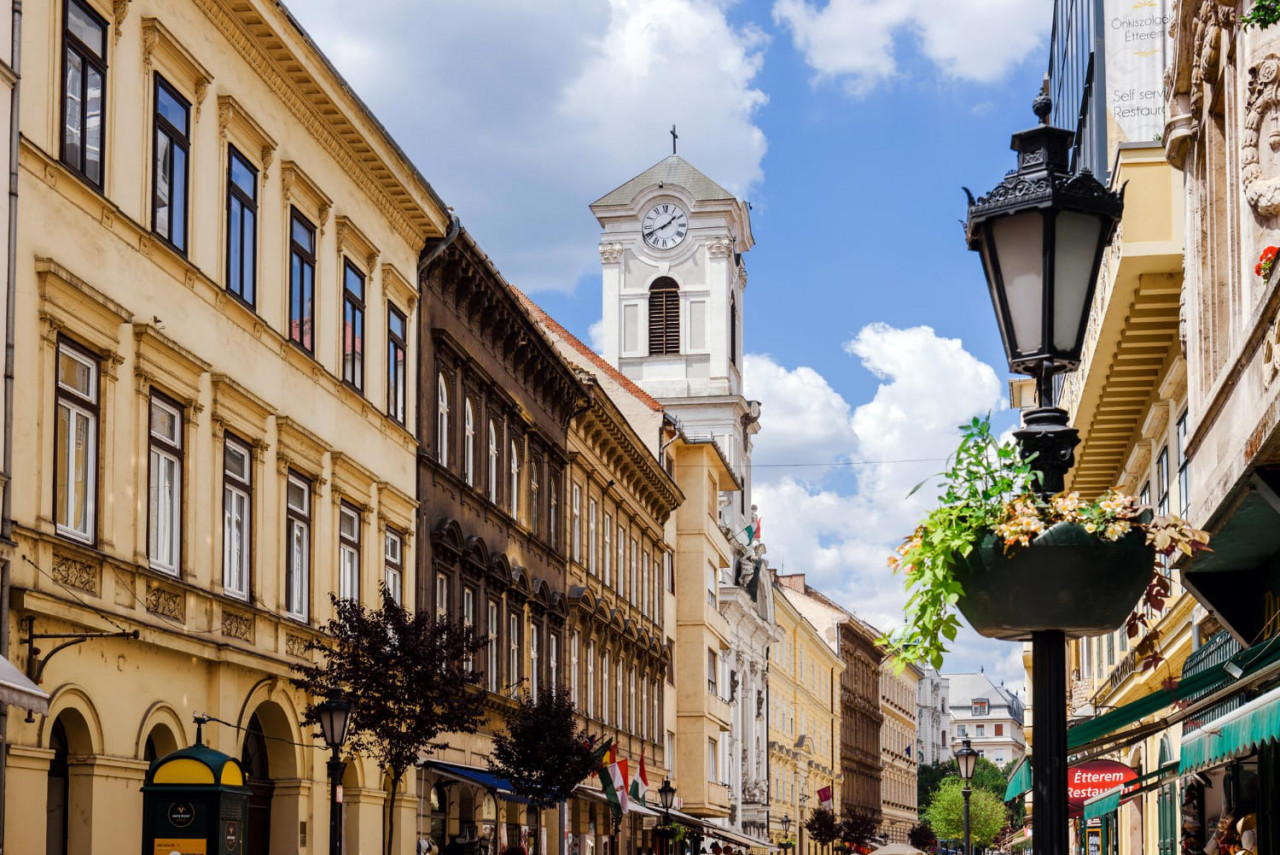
[{"x": 665, "y": 226}]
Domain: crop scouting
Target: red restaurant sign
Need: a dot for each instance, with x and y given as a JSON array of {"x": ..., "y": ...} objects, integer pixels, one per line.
[{"x": 1093, "y": 779}]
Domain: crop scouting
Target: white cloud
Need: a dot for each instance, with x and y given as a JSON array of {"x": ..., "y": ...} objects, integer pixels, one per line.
[
  {"x": 595, "y": 336},
  {"x": 839, "y": 529},
  {"x": 522, "y": 114},
  {"x": 855, "y": 41}
]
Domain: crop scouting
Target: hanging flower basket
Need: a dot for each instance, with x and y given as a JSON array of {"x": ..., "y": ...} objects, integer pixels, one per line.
[{"x": 1066, "y": 579}]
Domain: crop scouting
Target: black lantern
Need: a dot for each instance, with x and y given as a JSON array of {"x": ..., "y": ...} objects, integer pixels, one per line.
[
  {"x": 667, "y": 795},
  {"x": 334, "y": 716},
  {"x": 786, "y": 824},
  {"x": 966, "y": 759},
  {"x": 1041, "y": 233}
]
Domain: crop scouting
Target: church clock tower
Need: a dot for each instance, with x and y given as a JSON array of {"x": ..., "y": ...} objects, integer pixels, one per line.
[{"x": 673, "y": 277}]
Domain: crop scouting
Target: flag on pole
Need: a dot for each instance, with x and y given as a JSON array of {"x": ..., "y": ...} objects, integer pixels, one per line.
[
  {"x": 640, "y": 784},
  {"x": 618, "y": 776},
  {"x": 824, "y": 797},
  {"x": 753, "y": 530},
  {"x": 604, "y": 761}
]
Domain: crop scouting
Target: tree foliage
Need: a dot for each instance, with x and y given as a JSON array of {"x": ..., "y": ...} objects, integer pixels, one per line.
[
  {"x": 988, "y": 776},
  {"x": 543, "y": 753},
  {"x": 822, "y": 826},
  {"x": 945, "y": 813},
  {"x": 407, "y": 677},
  {"x": 929, "y": 777},
  {"x": 857, "y": 826},
  {"x": 922, "y": 837}
]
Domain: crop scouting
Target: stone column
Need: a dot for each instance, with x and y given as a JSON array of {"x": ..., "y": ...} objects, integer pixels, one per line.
[
  {"x": 113, "y": 821},
  {"x": 26, "y": 798}
]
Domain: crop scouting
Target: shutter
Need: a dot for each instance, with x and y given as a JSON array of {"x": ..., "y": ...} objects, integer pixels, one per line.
[{"x": 664, "y": 317}]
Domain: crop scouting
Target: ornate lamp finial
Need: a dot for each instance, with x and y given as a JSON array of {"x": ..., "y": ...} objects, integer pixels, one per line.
[{"x": 1042, "y": 107}]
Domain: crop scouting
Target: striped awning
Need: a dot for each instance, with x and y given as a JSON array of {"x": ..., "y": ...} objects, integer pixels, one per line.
[
  {"x": 17, "y": 690},
  {"x": 1237, "y": 733}
]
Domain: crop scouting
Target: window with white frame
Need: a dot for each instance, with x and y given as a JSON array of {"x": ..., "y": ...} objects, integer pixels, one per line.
[
  {"x": 298, "y": 537},
  {"x": 469, "y": 445},
  {"x": 348, "y": 552},
  {"x": 604, "y": 687},
  {"x": 633, "y": 593},
  {"x": 576, "y": 534},
  {"x": 237, "y": 505},
  {"x": 553, "y": 659},
  {"x": 1162, "y": 482},
  {"x": 713, "y": 756},
  {"x": 534, "y": 633},
  {"x": 493, "y": 462},
  {"x": 713, "y": 671},
  {"x": 442, "y": 420},
  {"x": 591, "y": 537},
  {"x": 164, "y": 493},
  {"x": 492, "y": 654},
  {"x": 631, "y": 700},
  {"x": 712, "y": 587},
  {"x": 573, "y": 667},
  {"x": 442, "y": 596},
  {"x": 644, "y": 708},
  {"x": 514, "y": 485},
  {"x": 607, "y": 557},
  {"x": 513, "y": 653},
  {"x": 393, "y": 561},
  {"x": 591, "y": 678},
  {"x": 618, "y": 708},
  {"x": 553, "y": 516},
  {"x": 622, "y": 554},
  {"x": 76, "y": 444},
  {"x": 469, "y": 617},
  {"x": 1184, "y": 479},
  {"x": 645, "y": 591},
  {"x": 535, "y": 506}
]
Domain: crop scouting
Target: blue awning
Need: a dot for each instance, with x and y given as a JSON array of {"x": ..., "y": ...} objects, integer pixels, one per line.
[{"x": 500, "y": 787}]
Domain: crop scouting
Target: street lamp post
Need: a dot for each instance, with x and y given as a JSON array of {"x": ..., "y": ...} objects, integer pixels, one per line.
[
  {"x": 667, "y": 796},
  {"x": 786, "y": 830},
  {"x": 966, "y": 759},
  {"x": 334, "y": 714},
  {"x": 1041, "y": 234}
]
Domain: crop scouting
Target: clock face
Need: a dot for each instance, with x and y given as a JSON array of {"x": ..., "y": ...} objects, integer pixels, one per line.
[{"x": 665, "y": 225}]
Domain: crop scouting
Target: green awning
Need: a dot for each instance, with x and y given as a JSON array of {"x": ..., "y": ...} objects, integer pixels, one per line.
[
  {"x": 1237, "y": 733},
  {"x": 1019, "y": 780},
  {"x": 1100, "y": 806}
]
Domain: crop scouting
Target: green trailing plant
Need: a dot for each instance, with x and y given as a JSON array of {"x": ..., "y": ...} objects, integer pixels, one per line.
[
  {"x": 990, "y": 488},
  {"x": 1263, "y": 14}
]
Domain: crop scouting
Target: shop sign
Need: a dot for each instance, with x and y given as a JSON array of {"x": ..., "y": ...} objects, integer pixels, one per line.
[
  {"x": 175, "y": 846},
  {"x": 1093, "y": 778}
]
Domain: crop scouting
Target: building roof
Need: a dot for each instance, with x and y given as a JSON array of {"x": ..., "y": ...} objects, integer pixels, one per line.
[
  {"x": 596, "y": 362},
  {"x": 672, "y": 169},
  {"x": 963, "y": 688}
]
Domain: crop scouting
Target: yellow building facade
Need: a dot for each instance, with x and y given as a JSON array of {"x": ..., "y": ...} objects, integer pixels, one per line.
[
  {"x": 804, "y": 722},
  {"x": 899, "y": 810},
  {"x": 215, "y": 327}
]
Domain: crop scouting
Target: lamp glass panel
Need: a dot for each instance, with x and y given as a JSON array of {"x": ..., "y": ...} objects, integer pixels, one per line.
[
  {"x": 1019, "y": 249},
  {"x": 1075, "y": 246}
]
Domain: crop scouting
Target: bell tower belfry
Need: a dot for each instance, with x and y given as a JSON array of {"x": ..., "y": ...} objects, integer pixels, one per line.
[{"x": 671, "y": 253}]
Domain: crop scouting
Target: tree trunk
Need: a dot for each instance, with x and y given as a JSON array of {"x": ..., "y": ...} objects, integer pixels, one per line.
[{"x": 390, "y": 825}]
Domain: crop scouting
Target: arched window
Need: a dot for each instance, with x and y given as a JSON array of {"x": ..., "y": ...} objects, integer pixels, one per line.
[
  {"x": 493, "y": 462},
  {"x": 515, "y": 480},
  {"x": 664, "y": 316},
  {"x": 442, "y": 420},
  {"x": 469, "y": 447}
]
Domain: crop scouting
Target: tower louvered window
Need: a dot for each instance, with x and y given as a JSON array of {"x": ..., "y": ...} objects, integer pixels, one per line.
[{"x": 664, "y": 316}]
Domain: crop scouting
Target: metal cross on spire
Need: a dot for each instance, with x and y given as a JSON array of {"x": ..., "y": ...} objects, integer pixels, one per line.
[{"x": 674, "y": 136}]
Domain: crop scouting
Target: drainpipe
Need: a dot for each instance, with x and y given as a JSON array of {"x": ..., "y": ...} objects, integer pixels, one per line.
[{"x": 11, "y": 275}]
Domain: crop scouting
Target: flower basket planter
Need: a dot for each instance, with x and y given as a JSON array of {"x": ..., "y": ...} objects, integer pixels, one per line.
[{"x": 1067, "y": 579}]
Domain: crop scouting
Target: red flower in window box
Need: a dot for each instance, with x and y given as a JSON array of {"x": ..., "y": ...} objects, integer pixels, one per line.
[{"x": 1266, "y": 261}]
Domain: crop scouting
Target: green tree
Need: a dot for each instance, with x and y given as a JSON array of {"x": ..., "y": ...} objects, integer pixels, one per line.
[
  {"x": 945, "y": 813},
  {"x": 928, "y": 778},
  {"x": 988, "y": 776}
]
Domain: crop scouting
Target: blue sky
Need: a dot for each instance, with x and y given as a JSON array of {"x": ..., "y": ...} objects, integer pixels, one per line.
[{"x": 850, "y": 125}]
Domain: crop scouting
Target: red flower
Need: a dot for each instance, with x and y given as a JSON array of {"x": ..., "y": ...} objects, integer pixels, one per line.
[
  {"x": 1257, "y": 270},
  {"x": 1269, "y": 253}
]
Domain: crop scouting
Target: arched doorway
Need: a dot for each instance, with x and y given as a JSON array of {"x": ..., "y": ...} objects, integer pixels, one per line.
[
  {"x": 160, "y": 742},
  {"x": 56, "y": 830},
  {"x": 253, "y": 757}
]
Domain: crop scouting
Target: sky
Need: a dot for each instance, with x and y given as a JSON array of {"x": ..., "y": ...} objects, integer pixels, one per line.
[{"x": 849, "y": 125}]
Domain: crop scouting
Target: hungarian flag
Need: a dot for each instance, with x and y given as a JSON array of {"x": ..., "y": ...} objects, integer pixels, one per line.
[
  {"x": 753, "y": 530},
  {"x": 640, "y": 784}
]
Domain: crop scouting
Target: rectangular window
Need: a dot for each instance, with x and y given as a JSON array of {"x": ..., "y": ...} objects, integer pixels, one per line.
[
  {"x": 298, "y": 536},
  {"x": 632, "y": 593},
  {"x": 535, "y": 501},
  {"x": 442, "y": 597},
  {"x": 713, "y": 754},
  {"x": 242, "y": 227},
  {"x": 713, "y": 671},
  {"x": 169, "y": 169},
  {"x": 608, "y": 550},
  {"x": 576, "y": 533},
  {"x": 353, "y": 326},
  {"x": 237, "y": 509},
  {"x": 982, "y": 730},
  {"x": 1144, "y": 495},
  {"x": 553, "y": 659},
  {"x": 492, "y": 664},
  {"x": 573, "y": 668},
  {"x": 712, "y": 588},
  {"x": 1111, "y": 650},
  {"x": 1162, "y": 481},
  {"x": 553, "y": 516},
  {"x": 1184, "y": 473},
  {"x": 469, "y": 616},
  {"x": 622, "y": 554},
  {"x": 591, "y": 679},
  {"x": 631, "y": 701},
  {"x": 534, "y": 634},
  {"x": 84, "y": 70},
  {"x": 164, "y": 494},
  {"x": 604, "y": 687},
  {"x": 999, "y": 730},
  {"x": 393, "y": 552},
  {"x": 666, "y": 571},
  {"x": 76, "y": 445},
  {"x": 591, "y": 537},
  {"x": 980, "y": 706},
  {"x": 302, "y": 282},
  {"x": 513, "y": 653},
  {"x": 960, "y": 731},
  {"x": 645, "y": 592},
  {"x": 397, "y": 347},
  {"x": 348, "y": 552}
]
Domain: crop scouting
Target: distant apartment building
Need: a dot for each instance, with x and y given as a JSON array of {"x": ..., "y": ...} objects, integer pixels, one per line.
[
  {"x": 933, "y": 719},
  {"x": 990, "y": 716}
]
